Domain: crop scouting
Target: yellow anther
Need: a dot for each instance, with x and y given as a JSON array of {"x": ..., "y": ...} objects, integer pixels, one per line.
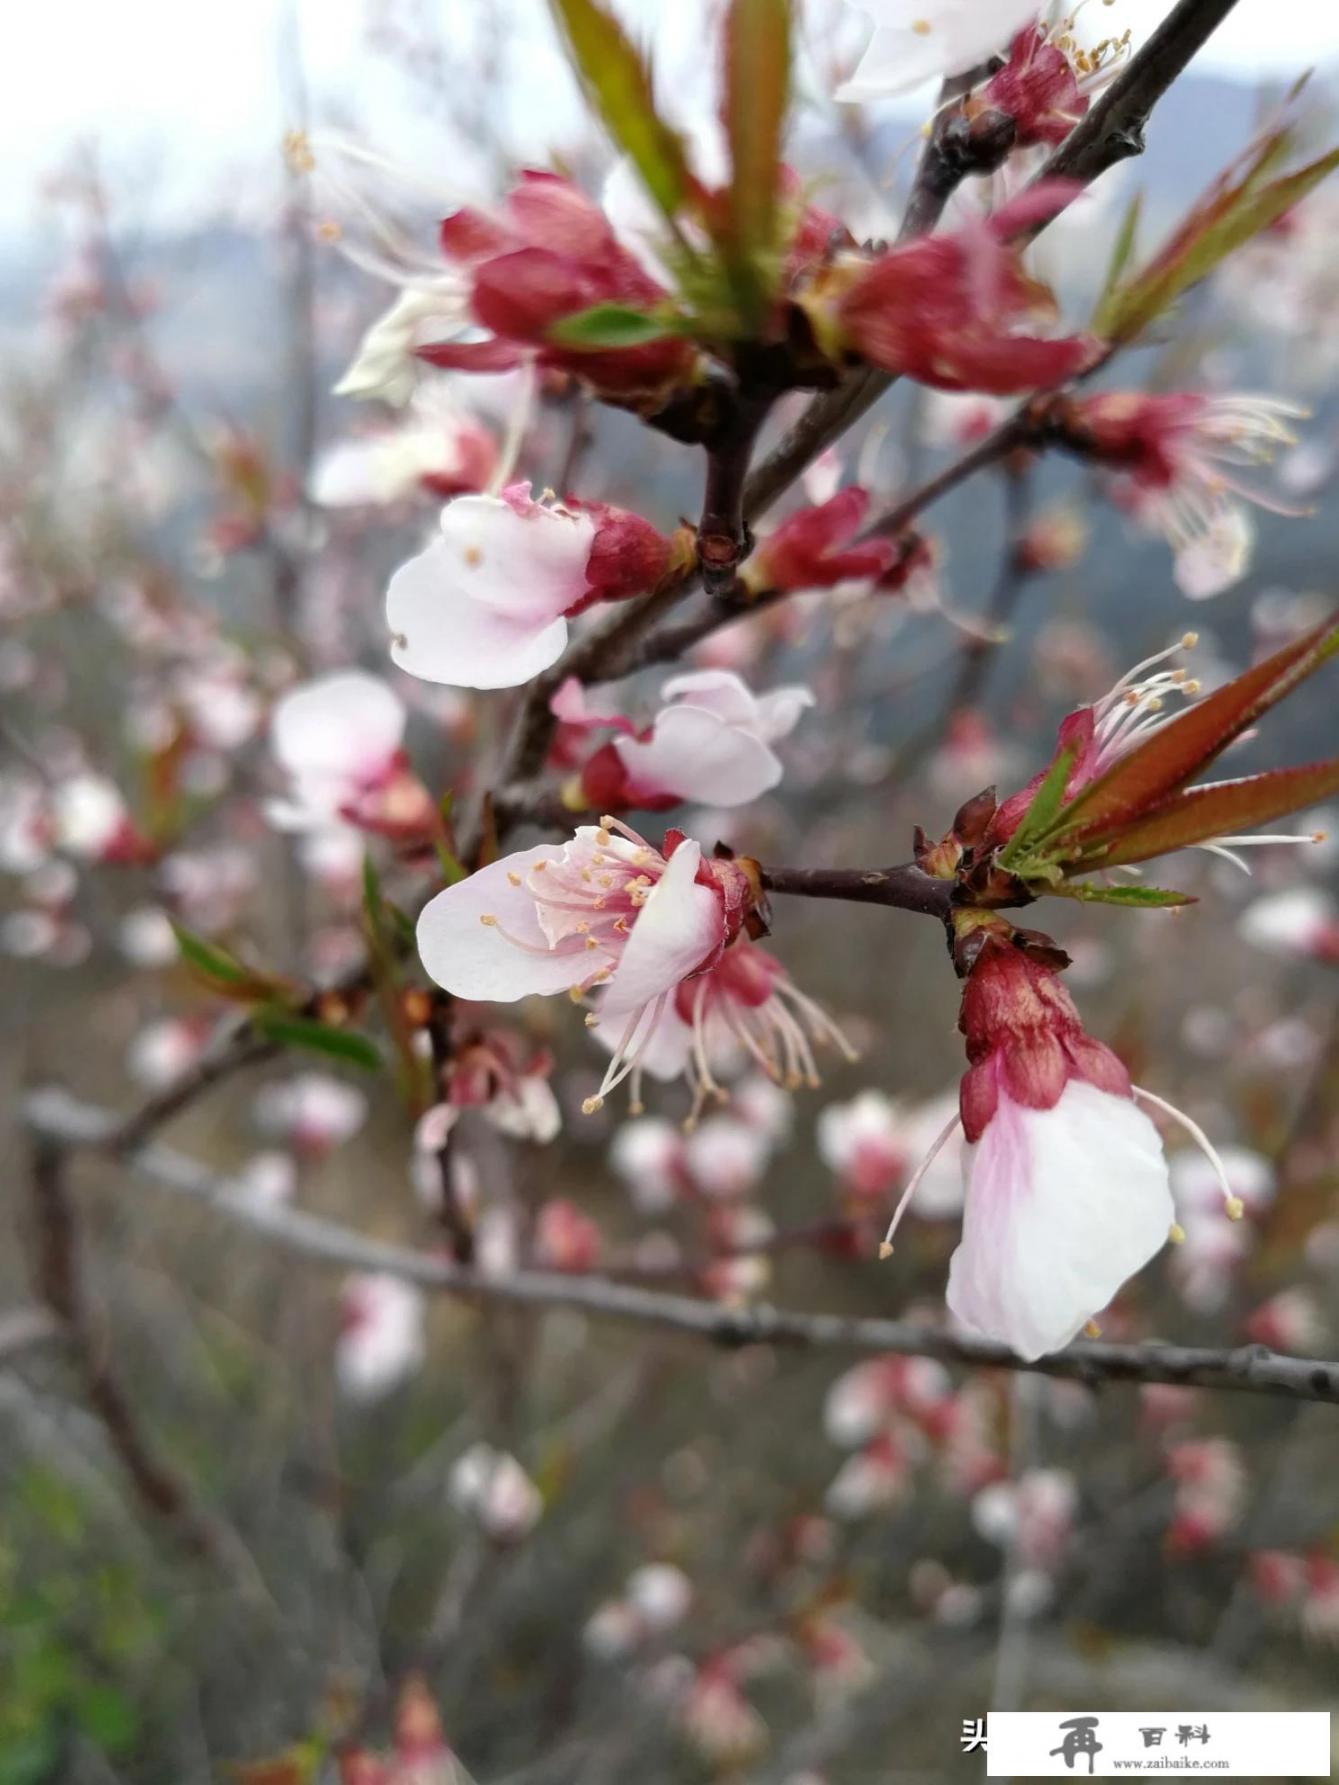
[
  {"x": 1176, "y": 1234},
  {"x": 885, "y": 1249},
  {"x": 1092, "y": 1330},
  {"x": 486, "y": 917},
  {"x": 1189, "y": 640},
  {"x": 513, "y": 877},
  {"x": 592, "y": 1105},
  {"x": 1235, "y": 1207}
]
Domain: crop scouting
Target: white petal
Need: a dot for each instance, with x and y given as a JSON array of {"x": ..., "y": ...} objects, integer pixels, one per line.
[
  {"x": 696, "y": 755},
  {"x": 1063, "y": 1205},
  {"x": 1215, "y": 559},
  {"x": 718, "y": 691},
  {"x": 474, "y": 960},
  {"x": 779, "y": 711},
  {"x": 678, "y": 926},
  {"x": 441, "y": 636},
  {"x": 916, "y": 40},
  {"x": 530, "y": 565},
  {"x": 339, "y": 725}
]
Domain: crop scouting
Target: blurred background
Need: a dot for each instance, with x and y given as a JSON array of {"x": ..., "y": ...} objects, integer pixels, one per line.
[{"x": 697, "y": 1563}]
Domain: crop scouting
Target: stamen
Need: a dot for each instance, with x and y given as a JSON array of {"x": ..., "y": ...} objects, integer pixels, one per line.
[
  {"x": 904, "y": 1201},
  {"x": 1232, "y": 1203}
]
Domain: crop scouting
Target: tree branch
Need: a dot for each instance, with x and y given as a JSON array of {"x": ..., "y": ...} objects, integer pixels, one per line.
[
  {"x": 62, "y": 1123},
  {"x": 160, "y": 1491},
  {"x": 1112, "y": 131},
  {"x": 905, "y": 888}
]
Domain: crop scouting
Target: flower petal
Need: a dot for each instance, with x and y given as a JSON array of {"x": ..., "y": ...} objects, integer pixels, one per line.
[
  {"x": 472, "y": 959},
  {"x": 695, "y": 754},
  {"x": 1063, "y": 1205},
  {"x": 679, "y": 926},
  {"x": 440, "y": 635},
  {"x": 343, "y": 726}
]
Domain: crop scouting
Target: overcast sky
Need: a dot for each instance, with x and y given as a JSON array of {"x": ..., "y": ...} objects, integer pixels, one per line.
[{"x": 197, "y": 87}]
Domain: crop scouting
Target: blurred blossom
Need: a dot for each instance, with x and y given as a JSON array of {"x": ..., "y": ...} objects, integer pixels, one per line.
[
  {"x": 147, "y": 938},
  {"x": 493, "y": 1487},
  {"x": 1210, "y": 1493},
  {"x": 166, "y": 1049},
  {"x": 726, "y": 1157},
  {"x": 1303, "y": 921},
  {"x": 312, "y": 1112},
  {"x": 268, "y": 1180},
  {"x": 438, "y": 449},
  {"x": 648, "y": 1153},
  {"x": 381, "y": 1335}
]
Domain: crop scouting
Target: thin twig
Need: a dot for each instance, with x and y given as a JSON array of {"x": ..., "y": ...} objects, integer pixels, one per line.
[{"x": 62, "y": 1122}]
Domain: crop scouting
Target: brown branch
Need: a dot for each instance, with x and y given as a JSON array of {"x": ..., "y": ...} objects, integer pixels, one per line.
[
  {"x": 62, "y": 1122},
  {"x": 159, "y": 1489},
  {"x": 904, "y": 888}
]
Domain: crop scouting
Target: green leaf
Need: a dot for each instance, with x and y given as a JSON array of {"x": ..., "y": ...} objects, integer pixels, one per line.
[
  {"x": 607, "y": 325},
  {"x": 757, "y": 97},
  {"x": 617, "y": 80},
  {"x": 1223, "y": 808},
  {"x": 1236, "y": 207},
  {"x": 1121, "y": 250},
  {"x": 1047, "y": 804},
  {"x": 453, "y": 870},
  {"x": 319, "y": 1038},
  {"x": 1165, "y": 761},
  {"x": 208, "y": 959},
  {"x": 1152, "y": 898},
  {"x": 222, "y": 973}
]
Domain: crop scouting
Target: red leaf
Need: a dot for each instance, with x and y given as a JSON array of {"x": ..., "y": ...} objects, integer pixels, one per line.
[
  {"x": 1221, "y": 809},
  {"x": 1168, "y": 759}
]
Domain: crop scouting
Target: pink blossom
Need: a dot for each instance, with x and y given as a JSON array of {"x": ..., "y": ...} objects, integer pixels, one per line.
[
  {"x": 876, "y": 1394},
  {"x": 1180, "y": 452},
  {"x": 92, "y": 821},
  {"x": 439, "y": 449},
  {"x": 1210, "y": 1493},
  {"x": 381, "y": 1338},
  {"x": 746, "y": 1007},
  {"x": 1303, "y": 921},
  {"x": 648, "y": 1153},
  {"x": 876, "y": 1479},
  {"x": 817, "y": 548},
  {"x": 312, "y": 1112},
  {"x": 726, "y": 1157},
  {"x": 945, "y": 309},
  {"x": 493, "y": 1487},
  {"x": 606, "y": 911},
  {"x": 711, "y": 741},
  {"x": 486, "y": 604},
  {"x": 866, "y": 1143},
  {"x": 565, "y": 1238},
  {"x": 1065, "y": 1183},
  {"x": 916, "y": 41},
  {"x": 338, "y": 740}
]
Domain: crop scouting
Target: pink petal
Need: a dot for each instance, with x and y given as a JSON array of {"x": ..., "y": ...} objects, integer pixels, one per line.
[
  {"x": 472, "y": 959},
  {"x": 440, "y": 634},
  {"x": 679, "y": 926},
  {"x": 696, "y": 755},
  {"x": 339, "y": 725}
]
